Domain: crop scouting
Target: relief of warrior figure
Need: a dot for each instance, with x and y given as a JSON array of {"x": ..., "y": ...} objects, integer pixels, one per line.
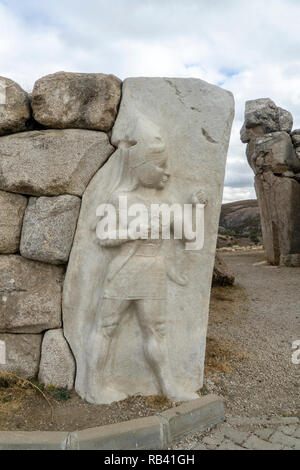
[{"x": 136, "y": 275}]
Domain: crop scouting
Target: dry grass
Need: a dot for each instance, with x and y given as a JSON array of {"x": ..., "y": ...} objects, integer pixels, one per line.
[
  {"x": 154, "y": 403},
  {"x": 223, "y": 356},
  {"x": 14, "y": 390},
  {"x": 228, "y": 305},
  {"x": 159, "y": 402}
]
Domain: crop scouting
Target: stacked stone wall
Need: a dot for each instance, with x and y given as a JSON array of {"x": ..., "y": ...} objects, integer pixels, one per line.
[{"x": 52, "y": 143}]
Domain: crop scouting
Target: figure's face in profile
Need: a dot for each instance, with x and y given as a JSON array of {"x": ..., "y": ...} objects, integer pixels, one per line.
[{"x": 154, "y": 173}]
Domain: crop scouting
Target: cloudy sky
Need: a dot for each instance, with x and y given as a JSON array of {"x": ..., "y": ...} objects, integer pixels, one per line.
[{"x": 248, "y": 47}]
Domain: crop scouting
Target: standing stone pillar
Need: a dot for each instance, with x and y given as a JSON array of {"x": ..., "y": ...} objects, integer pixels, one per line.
[
  {"x": 135, "y": 309},
  {"x": 273, "y": 154}
]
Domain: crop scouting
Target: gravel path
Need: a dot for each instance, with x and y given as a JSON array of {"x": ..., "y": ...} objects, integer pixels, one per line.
[{"x": 264, "y": 387}]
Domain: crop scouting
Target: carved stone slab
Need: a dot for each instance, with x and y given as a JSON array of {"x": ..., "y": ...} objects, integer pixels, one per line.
[{"x": 135, "y": 315}]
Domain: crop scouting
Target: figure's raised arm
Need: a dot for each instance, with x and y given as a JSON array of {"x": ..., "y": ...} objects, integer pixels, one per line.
[{"x": 184, "y": 220}]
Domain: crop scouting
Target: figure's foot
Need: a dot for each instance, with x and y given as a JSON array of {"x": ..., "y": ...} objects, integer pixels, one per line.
[
  {"x": 104, "y": 396},
  {"x": 183, "y": 395}
]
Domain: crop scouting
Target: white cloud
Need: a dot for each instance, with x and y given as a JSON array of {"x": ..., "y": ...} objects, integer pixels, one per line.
[
  {"x": 251, "y": 48},
  {"x": 238, "y": 194}
]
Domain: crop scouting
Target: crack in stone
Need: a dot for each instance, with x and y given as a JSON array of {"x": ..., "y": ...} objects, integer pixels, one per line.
[
  {"x": 9, "y": 290},
  {"x": 208, "y": 137},
  {"x": 178, "y": 92}
]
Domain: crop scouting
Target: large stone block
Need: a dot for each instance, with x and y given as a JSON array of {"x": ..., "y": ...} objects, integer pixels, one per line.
[
  {"x": 52, "y": 162},
  {"x": 12, "y": 208},
  {"x": 136, "y": 311},
  {"x": 15, "y": 112},
  {"x": 30, "y": 300},
  {"x": 23, "y": 354},
  {"x": 77, "y": 100},
  {"x": 273, "y": 152},
  {"x": 262, "y": 116},
  {"x": 279, "y": 200},
  {"x": 262, "y": 112},
  {"x": 248, "y": 134},
  {"x": 269, "y": 228},
  {"x": 57, "y": 367},
  {"x": 49, "y": 228},
  {"x": 222, "y": 276}
]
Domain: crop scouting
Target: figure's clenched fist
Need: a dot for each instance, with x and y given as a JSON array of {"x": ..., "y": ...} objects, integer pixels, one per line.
[{"x": 199, "y": 198}]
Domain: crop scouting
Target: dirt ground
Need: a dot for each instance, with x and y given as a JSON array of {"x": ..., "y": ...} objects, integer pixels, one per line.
[
  {"x": 28, "y": 410},
  {"x": 251, "y": 329},
  {"x": 255, "y": 332}
]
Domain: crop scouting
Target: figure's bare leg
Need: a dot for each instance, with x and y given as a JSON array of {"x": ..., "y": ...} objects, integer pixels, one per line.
[
  {"x": 97, "y": 351},
  {"x": 151, "y": 315}
]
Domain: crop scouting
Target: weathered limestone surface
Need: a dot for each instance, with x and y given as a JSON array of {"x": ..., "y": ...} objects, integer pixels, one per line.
[
  {"x": 279, "y": 200},
  {"x": 15, "y": 109},
  {"x": 262, "y": 116},
  {"x": 57, "y": 365},
  {"x": 273, "y": 152},
  {"x": 187, "y": 122},
  {"x": 286, "y": 120},
  {"x": 22, "y": 354},
  {"x": 49, "y": 227},
  {"x": 52, "y": 162},
  {"x": 262, "y": 112},
  {"x": 250, "y": 133},
  {"x": 269, "y": 230},
  {"x": 77, "y": 100},
  {"x": 30, "y": 295},
  {"x": 12, "y": 208},
  {"x": 296, "y": 137}
]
